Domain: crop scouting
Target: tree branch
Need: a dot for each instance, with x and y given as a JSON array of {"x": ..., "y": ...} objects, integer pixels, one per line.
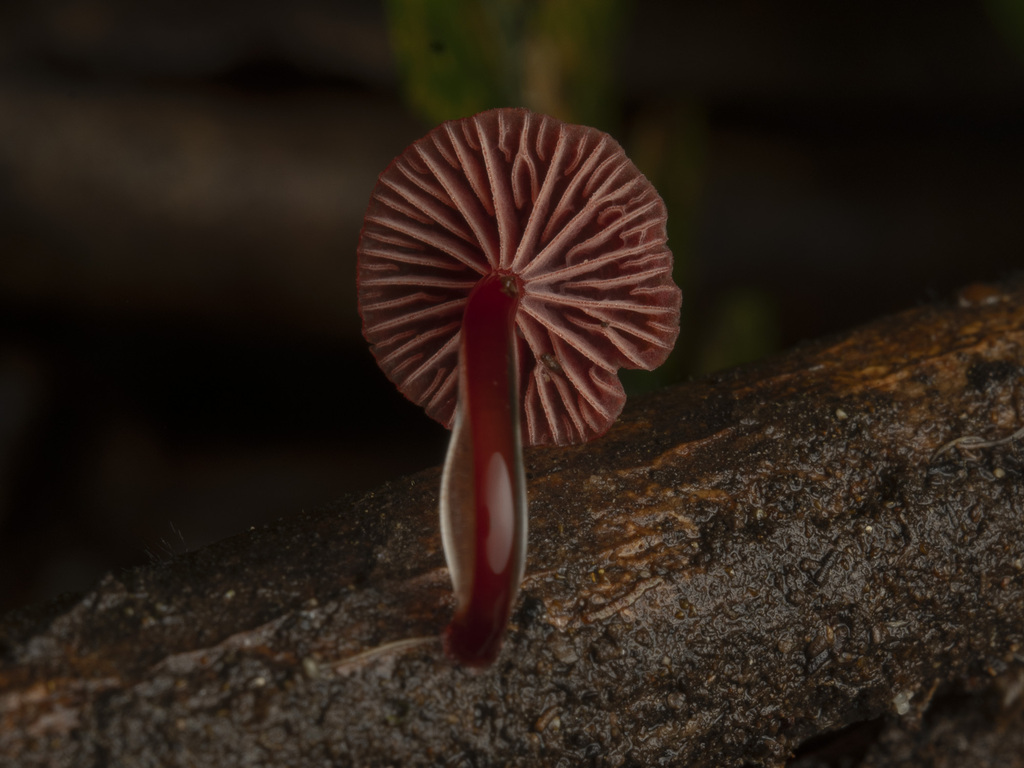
[{"x": 744, "y": 561}]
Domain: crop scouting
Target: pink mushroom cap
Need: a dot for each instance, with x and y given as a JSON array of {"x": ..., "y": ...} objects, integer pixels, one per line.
[{"x": 561, "y": 210}]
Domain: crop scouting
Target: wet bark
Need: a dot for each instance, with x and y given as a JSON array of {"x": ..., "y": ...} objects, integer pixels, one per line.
[{"x": 829, "y": 538}]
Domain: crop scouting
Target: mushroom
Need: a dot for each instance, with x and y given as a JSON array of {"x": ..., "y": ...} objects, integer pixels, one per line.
[{"x": 508, "y": 266}]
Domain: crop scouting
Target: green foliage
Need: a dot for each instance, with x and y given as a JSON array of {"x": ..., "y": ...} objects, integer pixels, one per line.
[
  {"x": 571, "y": 52},
  {"x": 458, "y": 57}
]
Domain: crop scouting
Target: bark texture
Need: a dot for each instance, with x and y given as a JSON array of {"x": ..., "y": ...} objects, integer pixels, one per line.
[{"x": 828, "y": 538}]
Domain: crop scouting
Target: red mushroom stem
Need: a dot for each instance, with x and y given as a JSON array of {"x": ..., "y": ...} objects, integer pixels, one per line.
[{"x": 483, "y": 490}]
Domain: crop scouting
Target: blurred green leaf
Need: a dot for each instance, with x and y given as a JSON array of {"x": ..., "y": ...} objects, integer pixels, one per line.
[
  {"x": 457, "y": 57},
  {"x": 571, "y": 53}
]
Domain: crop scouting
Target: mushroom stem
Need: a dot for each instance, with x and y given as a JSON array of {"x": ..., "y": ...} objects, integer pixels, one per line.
[{"x": 483, "y": 488}]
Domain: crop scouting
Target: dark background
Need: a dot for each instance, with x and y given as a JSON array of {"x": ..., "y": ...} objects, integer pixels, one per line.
[{"x": 182, "y": 184}]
